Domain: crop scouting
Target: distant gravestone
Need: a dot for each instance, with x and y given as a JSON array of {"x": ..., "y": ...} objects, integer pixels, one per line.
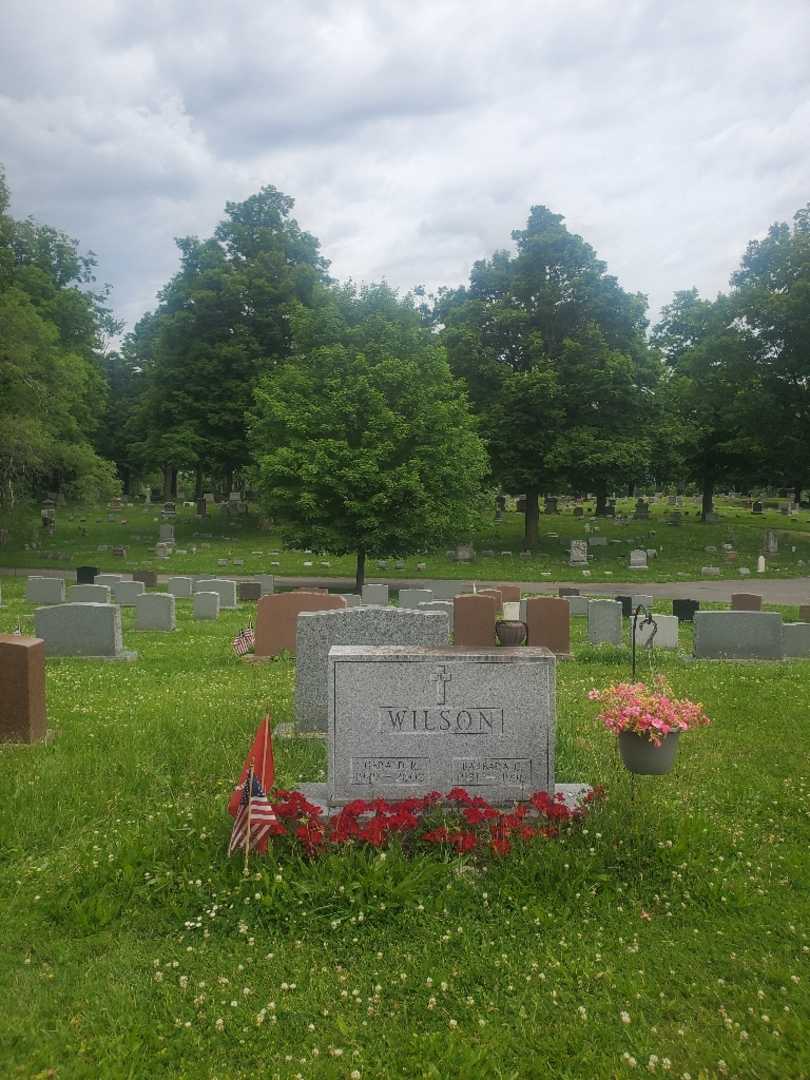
[
  {"x": 45, "y": 590},
  {"x": 771, "y": 543},
  {"x": 509, "y": 593},
  {"x": 267, "y": 583},
  {"x": 86, "y": 630},
  {"x": 205, "y": 605},
  {"x": 180, "y": 588},
  {"x": 684, "y": 610},
  {"x": 224, "y": 586},
  {"x": 439, "y": 605},
  {"x": 408, "y": 598},
  {"x": 738, "y": 635},
  {"x": 643, "y": 599},
  {"x": 756, "y": 508},
  {"x": 474, "y": 620},
  {"x": 577, "y": 605},
  {"x": 578, "y": 553},
  {"x": 277, "y": 618},
  {"x": 797, "y": 639},
  {"x": 89, "y": 594},
  {"x": 464, "y": 553},
  {"x": 604, "y": 622},
  {"x": 496, "y": 595},
  {"x": 638, "y": 559},
  {"x": 22, "y": 689},
  {"x": 447, "y": 590},
  {"x": 564, "y": 590},
  {"x": 149, "y": 578},
  {"x": 627, "y": 605},
  {"x": 155, "y": 611},
  {"x": 804, "y": 612},
  {"x": 375, "y": 593},
  {"x": 406, "y": 721},
  {"x": 710, "y": 571},
  {"x": 352, "y": 599},
  {"x": 126, "y": 592},
  {"x": 746, "y": 602},
  {"x": 548, "y": 624},
  {"x": 248, "y": 591},
  {"x": 85, "y": 575},
  {"x": 318, "y": 631},
  {"x": 107, "y": 579}
]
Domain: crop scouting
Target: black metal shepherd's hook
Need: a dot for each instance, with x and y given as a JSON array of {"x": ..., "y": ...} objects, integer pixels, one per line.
[{"x": 648, "y": 621}]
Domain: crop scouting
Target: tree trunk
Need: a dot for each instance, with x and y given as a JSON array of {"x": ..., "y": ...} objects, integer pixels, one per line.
[
  {"x": 797, "y": 491},
  {"x": 360, "y": 575},
  {"x": 126, "y": 479},
  {"x": 631, "y": 490},
  {"x": 174, "y": 483},
  {"x": 228, "y": 481},
  {"x": 532, "y": 516},
  {"x": 601, "y": 499},
  {"x": 708, "y": 498},
  {"x": 198, "y": 483},
  {"x": 167, "y": 482}
]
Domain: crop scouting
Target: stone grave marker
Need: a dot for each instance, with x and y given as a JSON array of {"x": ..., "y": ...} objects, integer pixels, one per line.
[
  {"x": 604, "y": 622},
  {"x": 738, "y": 635},
  {"x": 627, "y": 605},
  {"x": 638, "y": 559},
  {"x": 267, "y": 582},
  {"x": 509, "y": 593},
  {"x": 405, "y": 721},
  {"x": 180, "y": 588},
  {"x": 248, "y": 590},
  {"x": 148, "y": 577},
  {"x": 474, "y": 618},
  {"x": 89, "y": 594},
  {"x": 22, "y": 689},
  {"x": 684, "y": 610},
  {"x": 641, "y": 598},
  {"x": 107, "y": 579},
  {"x": 710, "y": 571},
  {"x": 439, "y": 605},
  {"x": 155, "y": 611},
  {"x": 496, "y": 595},
  {"x": 277, "y": 618},
  {"x": 408, "y": 598},
  {"x": 205, "y": 605},
  {"x": 578, "y": 553},
  {"x": 224, "y": 586},
  {"x": 577, "y": 605},
  {"x": 771, "y": 543},
  {"x": 352, "y": 599},
  {"x": 564, "y": 590},
  {"x": 665, "y": 636},
  {"x": 82, "y": 630},
  {"x": 126, "y": 592},
  {"x": 804, "y": 612},
  {"x": 746, "y": 602},
  {"x": 448, "y": 590},
  {"x": 548, "y": 621},
  {"x": 45, "y": 590},
  {"x": 797, "y": 639},
  {"x": 85, "y": 575},
  {"x": 464, "y": 553},
  {"x": 375, "y": 593},
  {"x": 319, "y": 631}
]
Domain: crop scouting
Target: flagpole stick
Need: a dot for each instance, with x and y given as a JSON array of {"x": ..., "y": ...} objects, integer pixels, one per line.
[
  {"x": 264, "y": 754},
  {"x": 250, "y": 803}
]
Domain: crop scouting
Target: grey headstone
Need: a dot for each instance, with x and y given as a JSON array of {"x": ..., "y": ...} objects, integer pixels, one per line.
[
  {"x": 155, "y": 611},
  {"x": 166, "y": 533},
  {"x": 710, "y": 571},
  {"x": 797, "y": 639},
  {"x": 352, "y": 599},
  {"x": 412, "y": 598},
  {"x": 598, "y": 541},
  {"x": 446, "y": 590},
  {"x": 318, "y": 631},
  {"x": 126, "y": 592},
  {"x": 638, "y": 559},
  {"x": 375, "y": 594},
  {"x": 439, "y": 605},
  {"x": 578, "y": 553},
  {"x": 81, "y": 630},
  {"x": 665, "y": 636},
  {"x": 45, "y": 590},
  {"x": 180, "y": 587},
  {"x": 206, "y": 605},
  {"x": 738, "y": 635},
  {"x": 604, "y": 622},
  {"x": 107, "y": 579},
  {"x": 88, "y": 594},
  {"x": 641, "y": 598},
  {"x": 267, "y": 582},
  {"x": 578, "y": 605},
  {"x": 224, "y": 586},
  {"x": 406, "y": 721}
]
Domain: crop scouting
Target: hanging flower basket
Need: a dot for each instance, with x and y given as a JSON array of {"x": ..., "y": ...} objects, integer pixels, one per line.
[{"x": 643, "y": 757}]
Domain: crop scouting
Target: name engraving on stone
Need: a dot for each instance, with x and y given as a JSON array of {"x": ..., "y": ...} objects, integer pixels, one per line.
[
  {"x": 368, "y": 771},
  {"x": 479, "y": 772},
  {"x": 478, "y": 720}
]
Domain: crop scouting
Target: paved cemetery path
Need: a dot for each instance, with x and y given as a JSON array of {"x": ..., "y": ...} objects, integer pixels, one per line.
[{"x": 717, "y": 590}]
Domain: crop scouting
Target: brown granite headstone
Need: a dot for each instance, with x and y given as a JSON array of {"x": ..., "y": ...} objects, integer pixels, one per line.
[
  {"x": 744, "y": 601},
  {"x": 548, "y": 619},
  {"x": 804, "y": 612},
  {"x": 277, "y": 618},
  {"x": 474, "y": 617},
  {"x": 148, "y": 577},
  {"x": 22, "y": 689},
  {"x": 496, "y": 595},
  {"x": 509, "y": 593}
]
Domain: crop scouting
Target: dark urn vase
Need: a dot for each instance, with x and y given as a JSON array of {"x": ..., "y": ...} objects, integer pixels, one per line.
[
  {"x": 510, "y": 631},
  {"x": 641, "y": 756}
]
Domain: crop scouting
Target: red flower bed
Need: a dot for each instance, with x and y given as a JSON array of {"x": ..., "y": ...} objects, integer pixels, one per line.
[{"x": 458, "y": 821}]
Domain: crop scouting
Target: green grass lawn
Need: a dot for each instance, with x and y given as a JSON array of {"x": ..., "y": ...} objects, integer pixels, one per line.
[
  {"x": 681, "y": 550},
  {"x": 670, "y": 930}
]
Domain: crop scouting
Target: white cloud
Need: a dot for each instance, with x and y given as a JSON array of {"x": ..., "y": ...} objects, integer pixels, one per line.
[{"x": 413, "y": 138}]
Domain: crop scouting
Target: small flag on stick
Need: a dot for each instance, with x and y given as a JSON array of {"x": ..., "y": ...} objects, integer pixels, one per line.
[
  {"x": 260, "y": 756},
  {"x": 244, "y": 641},
  {"x": 254, "y": 817}
]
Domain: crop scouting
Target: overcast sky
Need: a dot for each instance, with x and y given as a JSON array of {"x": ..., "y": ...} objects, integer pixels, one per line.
[{"x": 413, "y": 136}]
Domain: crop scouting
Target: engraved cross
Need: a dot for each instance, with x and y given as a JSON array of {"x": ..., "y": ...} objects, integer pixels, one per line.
[{"x": 442, "y": 677}]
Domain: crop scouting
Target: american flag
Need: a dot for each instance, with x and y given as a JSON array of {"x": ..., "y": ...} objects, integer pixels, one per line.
[
  {"x": 244, "y": 641},
  {"x": 254, "y": 805}
]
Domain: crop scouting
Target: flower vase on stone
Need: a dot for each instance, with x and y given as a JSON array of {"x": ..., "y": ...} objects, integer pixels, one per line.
[{"x": 510, "y": 630}]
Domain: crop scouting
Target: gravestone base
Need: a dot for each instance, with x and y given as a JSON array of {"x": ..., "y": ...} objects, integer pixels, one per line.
[{"x": 574, "y": 794}]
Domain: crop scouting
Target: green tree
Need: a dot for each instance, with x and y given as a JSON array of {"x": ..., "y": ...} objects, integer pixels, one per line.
[
  {"x": 363, "y": 439},
  {"x": 53, "y": 328},
  {"x": 554, "y": 353}
]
